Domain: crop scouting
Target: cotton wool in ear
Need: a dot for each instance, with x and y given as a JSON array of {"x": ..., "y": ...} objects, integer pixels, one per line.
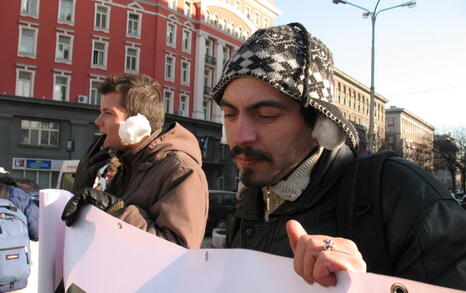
[{"x": 327, "y": 133}]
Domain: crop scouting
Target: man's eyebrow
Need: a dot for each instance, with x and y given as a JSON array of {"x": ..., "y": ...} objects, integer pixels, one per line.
[
  {"x": 223, "y": 103},
  {"x": 273, "y": 104}
]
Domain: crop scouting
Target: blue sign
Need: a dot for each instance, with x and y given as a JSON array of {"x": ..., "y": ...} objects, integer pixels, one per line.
[{"x": 39, "y": 164}]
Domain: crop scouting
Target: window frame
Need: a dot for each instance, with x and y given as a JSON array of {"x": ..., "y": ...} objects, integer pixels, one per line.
[
  {"x": 137, "y": 61},
  {"x": 39, "y": 130},
  {"x": 91, "y": 81},
  {"x": 34, "y": 14},
  {"x": 27, "y": 54},
  {"x": 33, "y": 73},
  {"x": 173, "y": 34},
  {"x": 136, "y": 35},
  {"x": 187, "y": 49},
  {"x": 185, "y": 111},
  {"x": 59, "y": 60},
  {"x": 170, "y": 103},
  {"x": 105, "y": 55},
  {"x": 68, "y": 87},
  {"x": 172, "y": 71},
  {"x": 73, "y": 9},
  {"x": 188, "y": 8},
  {"x": 186, "y": 81},
  {"x": 172, "y": 4},
  {"x": 107, "y": 21}
]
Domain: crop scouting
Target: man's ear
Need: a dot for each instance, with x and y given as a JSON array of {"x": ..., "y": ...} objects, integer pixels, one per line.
[{"x": 327, "y": 133}]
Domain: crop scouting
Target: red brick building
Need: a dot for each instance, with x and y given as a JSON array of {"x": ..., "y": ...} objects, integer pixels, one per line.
[
  {"x": 55, "y": 53},
  {"x": 62, "y": 49}
]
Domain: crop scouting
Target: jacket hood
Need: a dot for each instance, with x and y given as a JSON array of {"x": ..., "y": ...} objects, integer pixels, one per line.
[{"x": 160, "y": 144}]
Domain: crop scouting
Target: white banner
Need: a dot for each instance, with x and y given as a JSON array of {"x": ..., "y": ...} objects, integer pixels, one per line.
[{"x": 104, "y": 254}]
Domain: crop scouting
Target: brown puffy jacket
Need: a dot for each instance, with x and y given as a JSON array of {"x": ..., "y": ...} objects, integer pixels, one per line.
[{"x": 164, "y": 187}]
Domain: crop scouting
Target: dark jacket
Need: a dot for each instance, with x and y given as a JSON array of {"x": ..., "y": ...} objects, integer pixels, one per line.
[
  {"x": 164, "y": 187},
  {"x": 421, "y": 226}
]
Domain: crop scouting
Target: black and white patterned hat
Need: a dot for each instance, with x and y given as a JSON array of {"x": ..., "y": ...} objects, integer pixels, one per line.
[{"x": 295, "y": 63}]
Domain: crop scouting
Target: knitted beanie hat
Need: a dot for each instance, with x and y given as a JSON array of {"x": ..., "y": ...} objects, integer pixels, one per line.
[{"x": 298, "y": 65}]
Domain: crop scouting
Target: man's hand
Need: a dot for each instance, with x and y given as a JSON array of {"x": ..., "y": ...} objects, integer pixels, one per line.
[
  {"x": 317, "y": 261},
  {"x": 90, "y": 164},
  {"x": 101, "y": 199}
]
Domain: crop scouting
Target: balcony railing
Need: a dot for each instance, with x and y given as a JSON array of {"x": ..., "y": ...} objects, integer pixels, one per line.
[
  {"x": 210, "y": 60},
  {"x": 207, "y": 90}
]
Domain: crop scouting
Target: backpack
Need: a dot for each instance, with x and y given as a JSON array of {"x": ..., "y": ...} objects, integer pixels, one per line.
[
  {"x": 15, "y": 262},
  {"x": 368, "y": 216}
]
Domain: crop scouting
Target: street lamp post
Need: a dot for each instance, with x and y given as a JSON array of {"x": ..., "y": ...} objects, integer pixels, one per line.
[{"x": 373, "y": 15}]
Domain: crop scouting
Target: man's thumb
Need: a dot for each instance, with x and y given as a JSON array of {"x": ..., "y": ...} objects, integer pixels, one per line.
[{"x": 295, "y": 231}]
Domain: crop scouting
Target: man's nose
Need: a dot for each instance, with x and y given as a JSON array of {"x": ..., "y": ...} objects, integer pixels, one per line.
[
  {"x": 98, "y": 121},
  {"x": 245, "y": 131}
]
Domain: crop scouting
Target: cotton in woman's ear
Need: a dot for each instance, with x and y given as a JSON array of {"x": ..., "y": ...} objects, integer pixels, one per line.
[
  {"x": 327, "y": 133},
  {"x": 134, "y": 129}
]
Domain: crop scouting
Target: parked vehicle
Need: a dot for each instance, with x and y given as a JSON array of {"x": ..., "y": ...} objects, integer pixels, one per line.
[
  {"x": 222, "y": 205},
  {"x": 66, "y": 177}
]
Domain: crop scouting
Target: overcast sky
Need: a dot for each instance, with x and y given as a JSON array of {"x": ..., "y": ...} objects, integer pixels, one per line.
[{"x": 420, "y": 53}]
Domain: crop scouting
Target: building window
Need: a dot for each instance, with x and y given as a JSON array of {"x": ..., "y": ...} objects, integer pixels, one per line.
[
  {"x": 169, "y": 68},
  {"x": 184, "y": 105},
  {"x": 66, "y": 11},
  {"x": 168, "y": 101},
  {"x": 185, "y": 72},
  {"x": 132, "y": 60},
  {"x": 223, "y": 24},
  {"x": 134, "y": 25},
  {"x": 215, "y": 20},
  {"x": 43, "y": 133},
  {"x": 102, "y": 18},
  {"x": 61, "y": 88},
  {"x": 171, "y": 34},
  {"x": 239, "y": 32},
  {"x": 63, "y": 51},
  {"x": 256, "y": 18},
  {"x": 208, "y": 78},
  {"x": 94, "y": 93},
  {"x": 209, "y": 47},
  {"x": 237, "y": 4},
  {"x": 99, "y": 54},
  {"x": 206, "y": 16},
  {"x": 172, "y": 4},
  {"x": 188, "y": 6},
  {"x": 27, "y": 42},
  {"x": 30, "y": 8},
  {"x": 206, "y": 107},
  {"x": 25, "y": 83},
  {"x": 226, "y": 53},
  {"x": 248, "y": 13},
  {"x": 187, "y": 40},
  {"x": 266, "y": 22}
]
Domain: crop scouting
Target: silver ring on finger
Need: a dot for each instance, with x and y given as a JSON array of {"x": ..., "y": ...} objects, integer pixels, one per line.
[{"x": 328, "y": 244}]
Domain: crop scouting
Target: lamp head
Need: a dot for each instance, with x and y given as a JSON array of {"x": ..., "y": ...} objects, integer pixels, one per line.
[
  {"x": 410, "y": 4},
  {"x": 338, "y": 1},
  {"x": 365, "y": 14}
]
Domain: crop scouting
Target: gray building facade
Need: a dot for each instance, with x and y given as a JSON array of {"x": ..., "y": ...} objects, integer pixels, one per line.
[{"x": 39, "y": 134}]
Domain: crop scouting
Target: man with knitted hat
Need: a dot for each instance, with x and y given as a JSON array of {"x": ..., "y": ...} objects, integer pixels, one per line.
[{"x": 288, "y": 142}]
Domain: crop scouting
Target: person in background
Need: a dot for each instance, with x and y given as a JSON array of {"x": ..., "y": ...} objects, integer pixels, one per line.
[
  {"x": 22, "y": 201},
  {"x": 160, "y": 186},
  {"x": 303, "y": 187}
]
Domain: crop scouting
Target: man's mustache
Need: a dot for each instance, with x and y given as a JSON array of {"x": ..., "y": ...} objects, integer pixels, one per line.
[{"x": 250, "y": 153}]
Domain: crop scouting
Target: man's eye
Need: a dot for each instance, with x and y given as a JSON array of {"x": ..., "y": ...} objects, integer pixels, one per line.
[
  {"x": 268, "y": 116},
  {"x": 229, "y": 115}
]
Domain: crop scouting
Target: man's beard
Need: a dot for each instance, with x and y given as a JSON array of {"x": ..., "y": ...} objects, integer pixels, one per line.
[{"x": 248, "y": 176}]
